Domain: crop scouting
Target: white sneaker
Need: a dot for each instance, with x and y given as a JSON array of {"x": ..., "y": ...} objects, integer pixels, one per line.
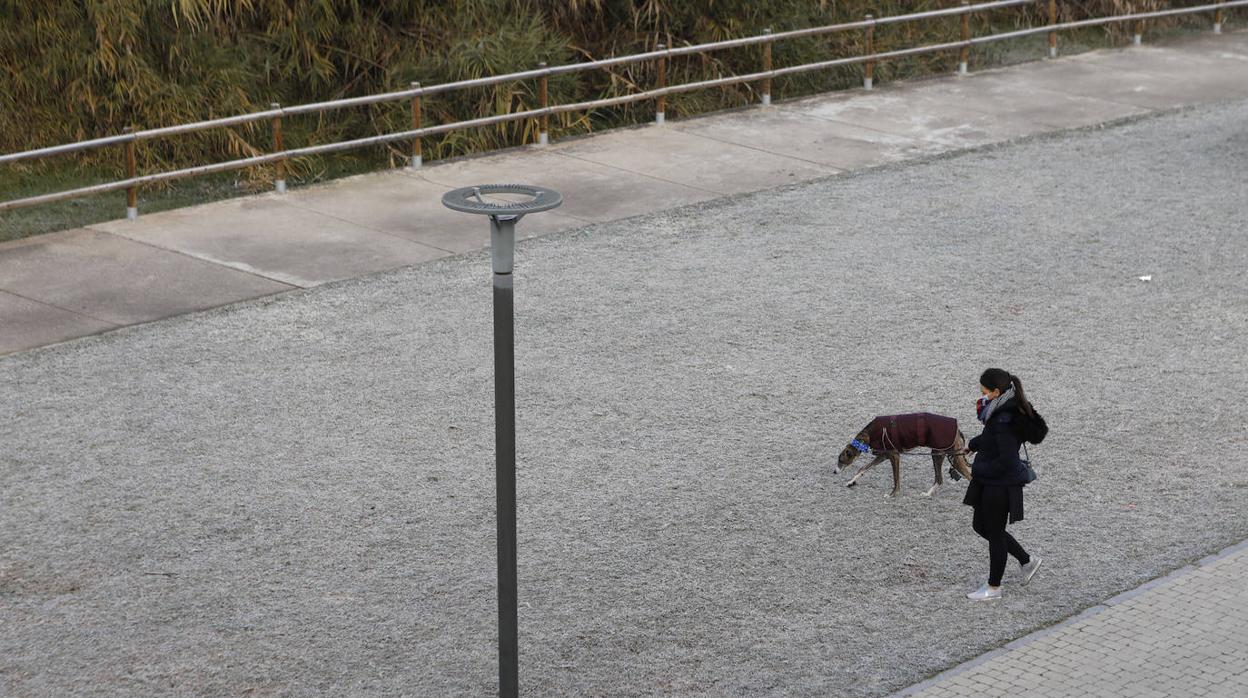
[
  {"x": 1029, "y": 569},
  {"x": 985, "y": 593}
]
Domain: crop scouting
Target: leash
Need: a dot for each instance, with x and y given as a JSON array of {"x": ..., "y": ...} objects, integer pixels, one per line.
[{"x": 864, "y": 448}]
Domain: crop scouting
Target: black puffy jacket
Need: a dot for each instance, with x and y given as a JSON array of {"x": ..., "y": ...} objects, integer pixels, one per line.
[{"x": 996, "y": 449}]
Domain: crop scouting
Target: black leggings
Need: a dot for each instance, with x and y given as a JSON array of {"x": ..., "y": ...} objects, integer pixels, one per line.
[{"x": 991, "y": 515}]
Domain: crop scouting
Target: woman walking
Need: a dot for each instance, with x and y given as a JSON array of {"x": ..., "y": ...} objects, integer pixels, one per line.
[{"x": 998, "y": 475}]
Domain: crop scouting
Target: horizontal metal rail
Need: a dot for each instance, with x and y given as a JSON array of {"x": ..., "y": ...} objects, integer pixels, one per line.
[{"x": 646, "y": 95}]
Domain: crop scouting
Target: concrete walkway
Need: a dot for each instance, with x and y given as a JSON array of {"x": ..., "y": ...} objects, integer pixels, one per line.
[
  {"x": 1185, "y": 634},
  {"x": 80, "y": 282}
]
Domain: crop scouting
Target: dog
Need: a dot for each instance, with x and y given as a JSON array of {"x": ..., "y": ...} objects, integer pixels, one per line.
[{"x": 888, "y": 436}]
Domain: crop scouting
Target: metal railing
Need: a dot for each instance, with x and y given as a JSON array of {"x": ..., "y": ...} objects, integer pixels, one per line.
[{"x": 658, "y": 94}]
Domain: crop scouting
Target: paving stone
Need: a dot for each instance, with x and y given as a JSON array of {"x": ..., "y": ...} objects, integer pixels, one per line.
[
  {"x": 784, "y": 129},
  {"x": 117, "y": 281},
  {"x": 694, "y": 158},
  {"x": 28, "y": 324},
  {"x": 591, "y": 191},
  {"x": 1145, "y": 657},
  {"x": 405, "y": 204}
]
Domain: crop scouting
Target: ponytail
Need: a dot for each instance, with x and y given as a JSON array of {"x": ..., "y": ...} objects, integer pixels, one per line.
[{"x": 1019, "y": 395}]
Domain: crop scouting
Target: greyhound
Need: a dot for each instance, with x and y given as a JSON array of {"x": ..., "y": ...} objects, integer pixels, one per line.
[{"x": 888, "y": 436}]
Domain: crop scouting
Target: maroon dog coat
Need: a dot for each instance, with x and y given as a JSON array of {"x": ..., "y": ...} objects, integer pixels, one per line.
[{"x": 898, "y": 432}]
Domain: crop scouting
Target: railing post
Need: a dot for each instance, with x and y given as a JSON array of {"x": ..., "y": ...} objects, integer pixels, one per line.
[
  {"x": 417, "y": 158},
  {"x": 965, "y": 54},
  {"x": 132, "y": 193},
  {"x": 279, "y": 182},
  {"x": 767, "y": 68},
  {"x": 868, "y": 73},
  {"x": 543, "y": 102},
  {"x": 1052, "y": 34},
  {"x": 1217, "y": 19},
  {"x": 661, "y": 104}
]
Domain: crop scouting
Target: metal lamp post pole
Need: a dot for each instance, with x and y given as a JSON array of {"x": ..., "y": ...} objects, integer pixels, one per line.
[
  {"x": 503, "y": 239},
  {"x": 503, "y": 217}
]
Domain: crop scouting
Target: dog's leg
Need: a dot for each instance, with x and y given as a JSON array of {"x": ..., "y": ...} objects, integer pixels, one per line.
[
  {"x": 895, "y": 457},
  {"x": 959, "y": 460},
  {"x": 854, "y": 481},
  {"x": 937, "y": 460}
]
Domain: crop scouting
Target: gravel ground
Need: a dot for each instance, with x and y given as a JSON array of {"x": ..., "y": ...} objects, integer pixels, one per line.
[{"x": 295, "y": 496}]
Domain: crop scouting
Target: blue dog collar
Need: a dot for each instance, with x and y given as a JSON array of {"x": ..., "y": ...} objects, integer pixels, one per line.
[{"x": 860, "y": 445}]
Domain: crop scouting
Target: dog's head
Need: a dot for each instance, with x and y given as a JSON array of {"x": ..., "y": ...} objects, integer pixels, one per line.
[{"x": 851, "y": 451}]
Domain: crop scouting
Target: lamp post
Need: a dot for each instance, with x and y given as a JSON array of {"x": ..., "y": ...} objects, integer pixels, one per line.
[{"x": 503, "y": 217}]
